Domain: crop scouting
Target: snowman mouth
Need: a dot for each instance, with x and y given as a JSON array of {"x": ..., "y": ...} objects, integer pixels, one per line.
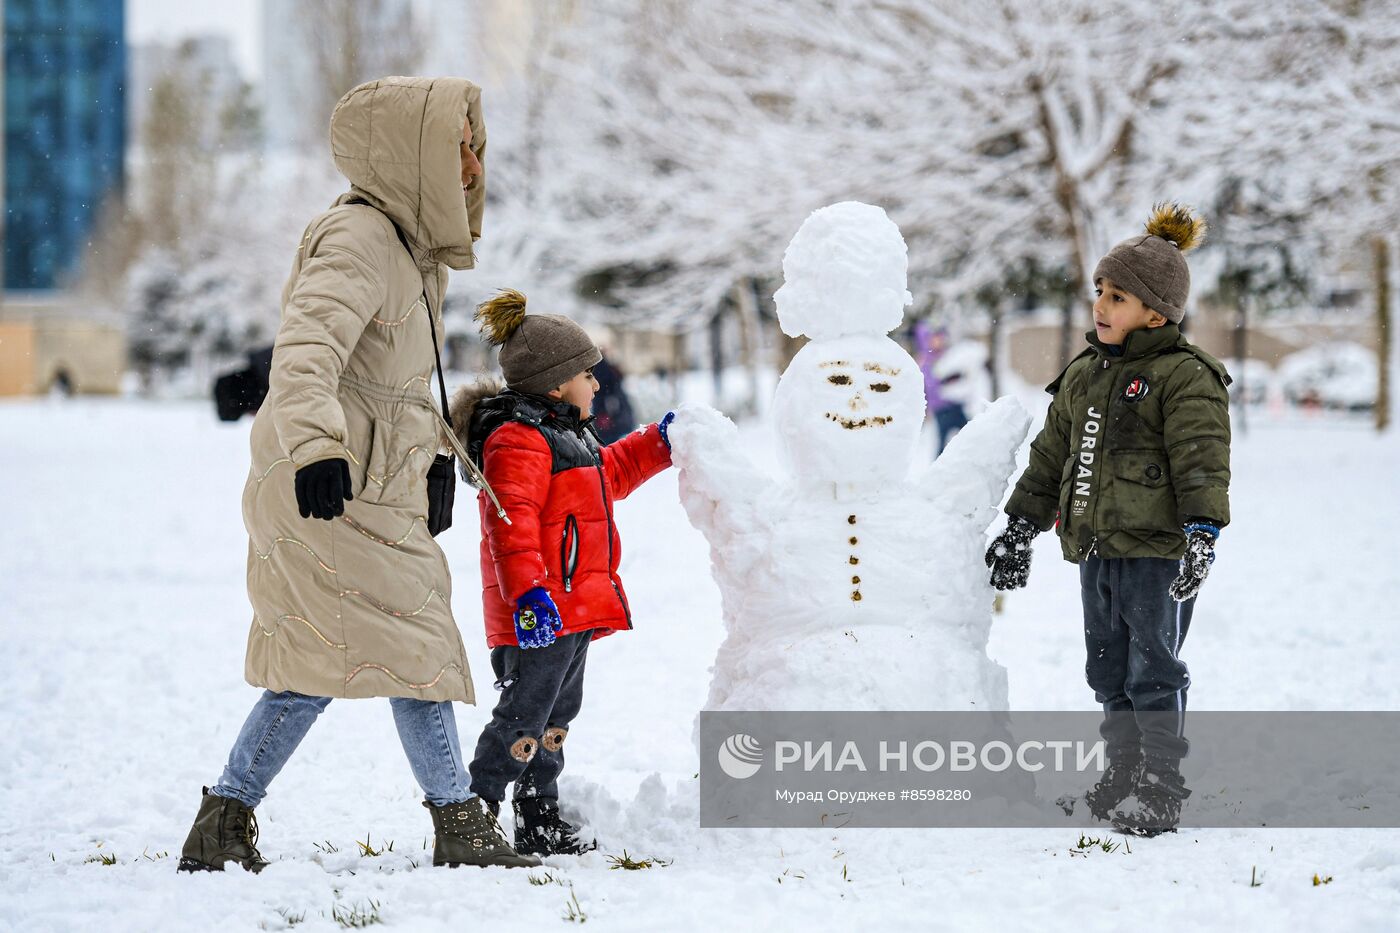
[{"x": 855, "y": 424}]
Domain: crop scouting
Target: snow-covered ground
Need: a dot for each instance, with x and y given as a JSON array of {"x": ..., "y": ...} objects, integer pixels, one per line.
[{"x": 124, "y": 618}]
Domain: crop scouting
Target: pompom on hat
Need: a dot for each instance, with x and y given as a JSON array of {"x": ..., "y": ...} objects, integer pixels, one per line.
[
  {"x": 539, "y": 352},
  {"x": 1152, "y": 265}
]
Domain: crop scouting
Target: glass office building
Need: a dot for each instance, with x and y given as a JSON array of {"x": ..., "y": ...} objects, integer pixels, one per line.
[{"x": 65, "y": 131}]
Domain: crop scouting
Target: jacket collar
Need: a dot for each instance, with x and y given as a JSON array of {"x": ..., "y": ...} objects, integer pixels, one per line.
[
  {"x": 544, "y": 408},
  {"x": 1140, "y": 343}
]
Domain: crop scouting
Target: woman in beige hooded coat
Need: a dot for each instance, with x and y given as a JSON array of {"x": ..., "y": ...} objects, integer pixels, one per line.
[{"x": 350, "y": 593}]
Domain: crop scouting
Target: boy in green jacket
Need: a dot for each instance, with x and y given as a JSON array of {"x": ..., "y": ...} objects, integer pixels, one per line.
[{"x": 1133, "y": 464}]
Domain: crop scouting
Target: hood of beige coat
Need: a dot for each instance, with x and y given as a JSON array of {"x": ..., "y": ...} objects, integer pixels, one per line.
[{"x": 397, "y": 140}]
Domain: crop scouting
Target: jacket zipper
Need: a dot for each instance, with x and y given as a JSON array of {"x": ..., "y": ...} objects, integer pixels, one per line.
[
  {"x": 568, "y": 553},
  {"x": 1098, "y": 492}
]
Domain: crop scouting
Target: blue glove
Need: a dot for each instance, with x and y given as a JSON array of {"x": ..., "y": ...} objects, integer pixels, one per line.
[
  {"x": 1195, "y": 563},
  {"x": 536, "y": 619},
  {"x": 662, "y": 424}
]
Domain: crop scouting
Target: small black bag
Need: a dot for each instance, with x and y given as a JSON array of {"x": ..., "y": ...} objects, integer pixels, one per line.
[
  {"x": 442, "y": 475},
  {"x": 442, "y": 490}
]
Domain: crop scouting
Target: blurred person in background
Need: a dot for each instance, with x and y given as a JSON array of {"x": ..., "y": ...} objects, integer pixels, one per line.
[
  {"x": 612, "y": 409},
  {"x": 944, "y": 401}
]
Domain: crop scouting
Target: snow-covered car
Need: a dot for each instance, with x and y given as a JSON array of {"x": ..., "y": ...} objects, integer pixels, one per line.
[{"x": 1341, "y": 376}]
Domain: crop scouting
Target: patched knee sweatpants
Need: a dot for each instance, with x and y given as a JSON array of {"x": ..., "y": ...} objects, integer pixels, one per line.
[
  {"x": 1133, "y": 631},
  {"x": 541, "y": 692}
]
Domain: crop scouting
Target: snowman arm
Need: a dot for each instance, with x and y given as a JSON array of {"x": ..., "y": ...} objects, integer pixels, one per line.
[
  {"x": 970, "y": 476},
  {"x": 718, "y": 481}
]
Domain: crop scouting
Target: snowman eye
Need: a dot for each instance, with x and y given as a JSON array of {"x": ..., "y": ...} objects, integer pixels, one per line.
[
  {"x": 839, "y": 380},
  {"x": 880, "y": 386}
]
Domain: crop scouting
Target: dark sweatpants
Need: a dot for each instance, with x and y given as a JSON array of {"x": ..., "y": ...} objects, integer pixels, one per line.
[
  {"x": 523, "y": 743},
  {"x": 1133, "y": 631}
]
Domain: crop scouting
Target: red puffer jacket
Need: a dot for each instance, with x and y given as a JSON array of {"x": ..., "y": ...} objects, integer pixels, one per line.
[{"x": 557, "y": 485}]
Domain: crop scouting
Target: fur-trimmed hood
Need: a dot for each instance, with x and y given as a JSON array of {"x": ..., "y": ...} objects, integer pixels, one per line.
[{"x": 464, "y": 402}]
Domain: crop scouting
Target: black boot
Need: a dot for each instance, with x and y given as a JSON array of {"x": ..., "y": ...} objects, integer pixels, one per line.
[
  {"x": 224, "y": 831},
  {"x": 1119, "y": 780},
  {"x": 467, "y": 834},
  {"x": 540, "y": 830},
  {"x": 1155, "y": 806}
]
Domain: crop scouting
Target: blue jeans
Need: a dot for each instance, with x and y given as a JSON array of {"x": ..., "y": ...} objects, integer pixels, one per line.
[{"x": 279, "y": 721}]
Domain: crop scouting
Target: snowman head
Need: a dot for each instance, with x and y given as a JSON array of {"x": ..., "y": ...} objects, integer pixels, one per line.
[
  {"x": 851, "y": 403},
  {"x": 845, "y": 272},
  {"x": 849, "y": 411}
]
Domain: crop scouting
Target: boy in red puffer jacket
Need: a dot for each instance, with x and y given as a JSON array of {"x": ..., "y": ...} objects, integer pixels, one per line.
[{"x": 549, "y": 565}]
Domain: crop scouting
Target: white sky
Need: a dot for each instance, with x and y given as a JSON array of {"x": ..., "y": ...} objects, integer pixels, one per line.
[{"x": 174, "y": 19}]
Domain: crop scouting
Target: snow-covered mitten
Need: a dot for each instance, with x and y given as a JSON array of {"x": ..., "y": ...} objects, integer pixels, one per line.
[
  {"x": 1009, "y": 557},
  {"x": 536, "y": 619},
  {"x": 1195, "y": 563},
  {"x": 665, "y": 423}
]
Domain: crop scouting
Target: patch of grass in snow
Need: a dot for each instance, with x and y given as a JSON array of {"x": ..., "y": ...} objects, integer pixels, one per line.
[
  {"x": 360, "y": 915},
  {"x": 108, "y": 858},
  {"x": 326, "y": 847},
  {"x": 572, "y": 911},
  {"x": 628, "y": 863},
  {"x": 544, "y": 878},
  {"x": 145, "y": 854},
  {"x": 369, "y": 851},
  {"x": 1321, "y": 880},
  {"x": 289, "y": 918},
  {"x": 1087, "y": 844}
]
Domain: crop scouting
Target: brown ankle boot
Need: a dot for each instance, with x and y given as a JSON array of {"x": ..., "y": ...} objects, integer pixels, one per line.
[
  {"x": 467, "y": 834},
  {"x": 224, "y": 831}
]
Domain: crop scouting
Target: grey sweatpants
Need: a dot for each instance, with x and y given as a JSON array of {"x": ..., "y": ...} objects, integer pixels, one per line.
[{"x": 1133, "y": 632}]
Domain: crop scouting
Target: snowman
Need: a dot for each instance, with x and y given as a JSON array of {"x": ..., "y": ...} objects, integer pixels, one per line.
[{"x": 855, "y": 580}]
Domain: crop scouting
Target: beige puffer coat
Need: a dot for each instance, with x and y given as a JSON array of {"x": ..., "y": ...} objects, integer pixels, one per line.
[{"x": 361, "y": 606}]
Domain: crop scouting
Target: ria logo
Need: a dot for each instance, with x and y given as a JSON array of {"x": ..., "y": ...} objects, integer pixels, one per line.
[{"x": 741, "y": 756}]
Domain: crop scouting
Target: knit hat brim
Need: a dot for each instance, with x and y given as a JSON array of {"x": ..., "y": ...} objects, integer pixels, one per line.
[
  {"x": 1111, "y": 267},
  {"x": 558, "y": 374}
]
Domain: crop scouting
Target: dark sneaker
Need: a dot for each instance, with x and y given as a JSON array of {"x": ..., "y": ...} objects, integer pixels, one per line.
[
  {"x": 1117, "y": 784},
  {"x": 540, "y": 830},
  {"x": 467, "y": 834},
  {"x": 224, "y": 831},
  {"x": 1155, "y": 805}
]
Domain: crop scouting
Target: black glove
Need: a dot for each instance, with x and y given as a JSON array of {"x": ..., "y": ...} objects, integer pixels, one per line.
[
  {"x": 322, "y": 488},
  {"x": 1009, "y": 557},
  {"x": 1195, "y": 563}
]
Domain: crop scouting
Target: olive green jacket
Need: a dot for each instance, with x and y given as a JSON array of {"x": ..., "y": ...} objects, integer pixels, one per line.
[{"x": 1133, "y": 447}]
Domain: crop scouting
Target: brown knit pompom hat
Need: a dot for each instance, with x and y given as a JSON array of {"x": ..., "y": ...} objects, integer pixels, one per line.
[
  {"x": 539, "y": 352},
  {"x": 1152, "y": 266}
]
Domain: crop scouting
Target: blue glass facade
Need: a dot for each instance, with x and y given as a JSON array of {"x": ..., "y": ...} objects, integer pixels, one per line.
[{"x": 65, "y": 131}]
